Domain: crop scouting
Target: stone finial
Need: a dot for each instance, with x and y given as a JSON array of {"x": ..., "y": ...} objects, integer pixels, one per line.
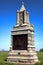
[
  {"x": 22, "y": 3},
  {"x": 22, "y": 7}
]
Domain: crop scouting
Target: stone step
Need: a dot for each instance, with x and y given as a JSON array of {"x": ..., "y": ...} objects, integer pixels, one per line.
[
  {"x": 21, "y": 61},
  {"x": 21, "y": 53},
  {"x": 19, "y": 57}
]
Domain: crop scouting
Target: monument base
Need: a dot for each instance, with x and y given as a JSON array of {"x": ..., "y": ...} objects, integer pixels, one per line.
[{"x": 22, "y": 57}]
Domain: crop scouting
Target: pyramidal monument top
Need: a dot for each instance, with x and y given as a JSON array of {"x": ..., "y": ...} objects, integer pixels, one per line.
[{"x": 22, "y": 7}]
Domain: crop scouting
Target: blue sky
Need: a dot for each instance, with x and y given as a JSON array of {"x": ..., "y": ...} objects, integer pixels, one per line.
[{"x": 8, "y": 10}]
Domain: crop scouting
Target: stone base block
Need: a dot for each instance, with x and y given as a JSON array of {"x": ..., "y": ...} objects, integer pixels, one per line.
[{"x": 23, "y": 57}]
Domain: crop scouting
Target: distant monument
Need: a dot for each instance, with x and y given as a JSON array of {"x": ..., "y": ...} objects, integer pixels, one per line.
[{"x": 22, "y": 39}]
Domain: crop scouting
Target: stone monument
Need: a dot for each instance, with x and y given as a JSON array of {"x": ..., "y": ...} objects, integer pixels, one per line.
[{"x": 22, "y": 40}]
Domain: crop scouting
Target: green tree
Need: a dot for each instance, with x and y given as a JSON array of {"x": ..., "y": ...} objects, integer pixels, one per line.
[{"x": 41, "y": 50}]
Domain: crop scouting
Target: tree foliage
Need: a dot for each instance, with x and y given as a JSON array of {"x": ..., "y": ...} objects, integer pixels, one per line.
[{"x": 41, "y": 50}]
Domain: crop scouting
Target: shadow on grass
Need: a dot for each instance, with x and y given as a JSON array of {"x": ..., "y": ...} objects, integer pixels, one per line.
[
  {"x": 7, "y": 64},
  {"x": 4, "y": 63},
  {"x": 39, "y": 63}
]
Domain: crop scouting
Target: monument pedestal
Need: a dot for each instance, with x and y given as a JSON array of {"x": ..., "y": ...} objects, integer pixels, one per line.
[{"x": 23, "y": 36}]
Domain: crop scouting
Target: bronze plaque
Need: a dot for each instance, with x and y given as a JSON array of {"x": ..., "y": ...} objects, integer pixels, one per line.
[{"x": 20, "y": 42}]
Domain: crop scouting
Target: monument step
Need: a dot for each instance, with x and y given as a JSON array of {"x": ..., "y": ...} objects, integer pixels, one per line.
[
  {"x": 17, "y": 53},
  {"x": 18, "y": 57},
  {"x": 21, "y": 61}
]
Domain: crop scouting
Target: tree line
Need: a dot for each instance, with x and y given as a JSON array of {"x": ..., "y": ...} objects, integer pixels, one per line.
[{"x": 41, "y": 50}]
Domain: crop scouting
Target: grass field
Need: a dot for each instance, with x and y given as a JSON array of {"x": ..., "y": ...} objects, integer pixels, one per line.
[
  {"x": 3, "y": 56},
  {"x": 40, "y": 56}
]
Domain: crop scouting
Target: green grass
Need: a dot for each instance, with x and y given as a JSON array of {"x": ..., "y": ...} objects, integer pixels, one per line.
[
  {"x": 3, "y": 56},
  {"x": 40, "y": 56}
]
